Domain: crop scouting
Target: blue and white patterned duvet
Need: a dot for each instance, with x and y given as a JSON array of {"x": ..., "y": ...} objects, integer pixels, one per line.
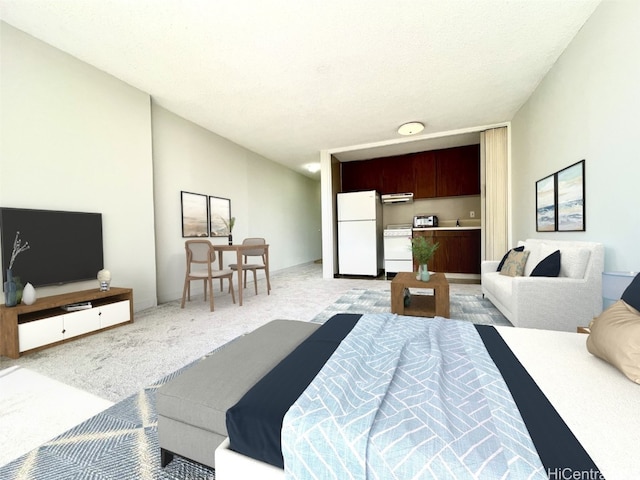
[{"x": 408, "y": 398}]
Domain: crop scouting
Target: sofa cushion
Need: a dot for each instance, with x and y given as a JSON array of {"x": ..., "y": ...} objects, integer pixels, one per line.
[
  {"x": 504, "y": 259},
  {"x": 548, "y": 266},
  {"x": 574, "y": 262},
  {"x": 631, "y": 294},
  {"x": 514, "y": 264},
  {"x": 500, "y": 286},
  {"x": 615, "y": 338}
]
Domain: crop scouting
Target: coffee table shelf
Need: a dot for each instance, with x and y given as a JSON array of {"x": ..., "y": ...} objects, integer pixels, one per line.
[{"x": 421, "y": 305}]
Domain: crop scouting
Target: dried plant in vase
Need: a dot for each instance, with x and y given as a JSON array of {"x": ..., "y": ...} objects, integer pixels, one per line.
[
  {"x": 229, "y": 224},
  {"x": 10, "y": 287}
]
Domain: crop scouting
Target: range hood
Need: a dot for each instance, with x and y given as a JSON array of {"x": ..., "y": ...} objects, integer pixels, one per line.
[{"x": 397, "y": 198}]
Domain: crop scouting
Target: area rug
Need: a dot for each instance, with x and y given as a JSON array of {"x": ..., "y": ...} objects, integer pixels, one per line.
[
  {"x": 122, "y": 441},
  {"x": 119, "y": 443},
  {"x": 472, "y": 308}
]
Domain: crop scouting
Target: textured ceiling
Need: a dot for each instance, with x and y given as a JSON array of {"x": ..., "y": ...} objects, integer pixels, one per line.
[{"x": 287, "y": 79}]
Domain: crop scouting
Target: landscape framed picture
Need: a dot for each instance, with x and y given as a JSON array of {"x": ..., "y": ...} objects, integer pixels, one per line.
[
  {"x": 571, "y": 201},
  {"x": 220, "y": 216},
  {"x": 195, "y": 215},
  {"x": 546, "y": 204}
]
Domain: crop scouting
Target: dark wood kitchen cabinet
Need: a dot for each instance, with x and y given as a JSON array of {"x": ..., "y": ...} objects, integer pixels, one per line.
[
  {"x": 459, "y": 250},
  {"x": 458, "y": 171},
  {"x": 424, "y": 172},
  {"x": 397, "y": 174},
  {"x": 437, "y": 173},
  {"x": 361, "y": 175}
]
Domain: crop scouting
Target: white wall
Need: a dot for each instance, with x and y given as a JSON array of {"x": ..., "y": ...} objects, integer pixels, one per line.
[
  {"x": 267, "y": 199},
  {"x": 587, "y": 108},
  {"x": 75, "y": 138}
]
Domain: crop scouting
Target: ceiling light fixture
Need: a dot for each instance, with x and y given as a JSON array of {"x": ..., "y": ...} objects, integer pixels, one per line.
[
  {"x": 313, "y": 167},
  {"x": 410, "y": 128}
]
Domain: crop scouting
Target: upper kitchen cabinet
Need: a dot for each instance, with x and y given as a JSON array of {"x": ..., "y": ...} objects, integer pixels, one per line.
[
  {"x": 397, "y": 174},
  {"x": 361, "y": 175},
  {"x": 438, "y": 173},
  {"x": 458, "y": 171},
  {"x": 424, "y": 174}
]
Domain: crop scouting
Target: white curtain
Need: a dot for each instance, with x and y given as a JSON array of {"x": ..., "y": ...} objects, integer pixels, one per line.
[{"x": 495, "y": 199}]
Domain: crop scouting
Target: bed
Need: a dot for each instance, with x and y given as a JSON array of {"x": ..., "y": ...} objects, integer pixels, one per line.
[{"x": 597, "y": 405}]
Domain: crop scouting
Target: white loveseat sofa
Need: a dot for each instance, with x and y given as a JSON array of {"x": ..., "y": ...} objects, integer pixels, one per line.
[{"x": 565, "y": 302}]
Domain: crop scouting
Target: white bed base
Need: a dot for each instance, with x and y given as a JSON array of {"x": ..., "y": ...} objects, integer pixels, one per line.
[{"x": 598, "y": 403}]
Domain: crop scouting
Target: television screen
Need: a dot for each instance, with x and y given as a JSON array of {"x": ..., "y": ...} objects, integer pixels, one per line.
[{"x": 64, "y": 247}]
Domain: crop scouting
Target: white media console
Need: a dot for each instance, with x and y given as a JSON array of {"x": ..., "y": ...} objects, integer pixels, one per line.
[{"x": 26, "y": 328}]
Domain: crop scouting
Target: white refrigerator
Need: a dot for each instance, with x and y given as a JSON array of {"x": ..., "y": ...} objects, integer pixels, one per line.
[{"x": 360, "y": 250}]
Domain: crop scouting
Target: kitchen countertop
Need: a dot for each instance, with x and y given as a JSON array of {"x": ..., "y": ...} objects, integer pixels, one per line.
[{"x": 424, "y": 229}]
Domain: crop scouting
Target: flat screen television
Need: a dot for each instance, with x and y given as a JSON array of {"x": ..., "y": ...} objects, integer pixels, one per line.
[{"x": 64, "y": 247}]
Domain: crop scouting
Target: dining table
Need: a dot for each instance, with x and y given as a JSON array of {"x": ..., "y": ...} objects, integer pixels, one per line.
[{"x": 239, "y": 248}]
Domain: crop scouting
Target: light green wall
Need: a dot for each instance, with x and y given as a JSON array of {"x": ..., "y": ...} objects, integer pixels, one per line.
[
  {"x": 75, "y": 138},
  {"x": 267, "y": 199},
  {"x": 587, "y": 108}
]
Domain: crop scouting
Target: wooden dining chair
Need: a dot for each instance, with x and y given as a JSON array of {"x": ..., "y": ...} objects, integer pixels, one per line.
[
  {"x": 259, "y": 251},
  {"x": 201, "y": 259}
]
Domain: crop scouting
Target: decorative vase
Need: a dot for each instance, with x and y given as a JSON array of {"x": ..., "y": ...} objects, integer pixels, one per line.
[
  {"x": 230, "y": 239},
  {"x": 10, "y": 290},
  {"x": 29, "y": 294},
  {"x": 423, "y": 273},
  {"x": 19, "y": 288},
  {"x": 104, "y": 280}
]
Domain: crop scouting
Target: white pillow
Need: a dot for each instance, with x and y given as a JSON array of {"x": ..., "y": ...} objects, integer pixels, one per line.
[
  {"x": 539, "y": 251},
  {"x": 534, "y": 256},
  {"x": 573, "y": 262}
]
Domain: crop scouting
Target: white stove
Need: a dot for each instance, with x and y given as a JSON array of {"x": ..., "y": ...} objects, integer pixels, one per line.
[{"x": 397, "y": 249}]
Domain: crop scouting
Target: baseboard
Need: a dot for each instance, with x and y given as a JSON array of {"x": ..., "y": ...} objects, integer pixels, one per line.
[{"x": 463, "y": 278}]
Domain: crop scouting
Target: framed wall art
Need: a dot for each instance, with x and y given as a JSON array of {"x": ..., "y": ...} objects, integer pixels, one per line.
[
  {"x": 570, "y": 199},
  {"x": 195, "y": 215},
  {"x": 220, "y": 216},
  {"x": 546, "y": 204}
]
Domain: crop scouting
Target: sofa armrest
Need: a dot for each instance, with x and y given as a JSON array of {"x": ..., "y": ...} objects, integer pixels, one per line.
[
  {"x": 558, "y": 303},
  {"x": 489, "y": 266}
]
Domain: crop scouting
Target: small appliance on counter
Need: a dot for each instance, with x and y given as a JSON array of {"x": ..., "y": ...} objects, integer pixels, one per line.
[{"x": 425, "y": 221}]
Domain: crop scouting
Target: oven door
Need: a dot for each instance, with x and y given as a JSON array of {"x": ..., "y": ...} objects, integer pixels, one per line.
[
  {"x": 397, "y": 247},
  {"x": 397, "y": 252}
]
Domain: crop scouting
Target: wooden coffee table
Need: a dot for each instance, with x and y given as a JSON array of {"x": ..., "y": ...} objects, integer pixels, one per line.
[{"x": 420, "y": 305}]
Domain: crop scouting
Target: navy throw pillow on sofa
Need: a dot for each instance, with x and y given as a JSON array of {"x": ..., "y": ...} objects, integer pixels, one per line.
[
  {"x": 631, "y": 295},
  {"x": 504, "y": 259},
  {"x": 548, "y": 267}
]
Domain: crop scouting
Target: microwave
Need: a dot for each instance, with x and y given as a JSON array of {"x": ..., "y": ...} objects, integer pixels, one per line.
[{"x": 422, "y": 221}]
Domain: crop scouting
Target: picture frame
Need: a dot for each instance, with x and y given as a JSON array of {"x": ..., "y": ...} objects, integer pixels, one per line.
[
  {"x": 546, "y": 204},
  {"x": 219, "y": 216},
  {"x": 571, "y": 198},
  {"x": 195, "y": 215}
]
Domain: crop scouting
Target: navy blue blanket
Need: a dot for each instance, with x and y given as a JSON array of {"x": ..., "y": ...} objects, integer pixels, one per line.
[{"x": 254, "y": 424}]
